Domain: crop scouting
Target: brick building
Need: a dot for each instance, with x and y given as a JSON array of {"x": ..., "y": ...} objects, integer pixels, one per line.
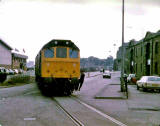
[
  {"x": 19, "y": 60},
  {"x": 143, "y": 57}
]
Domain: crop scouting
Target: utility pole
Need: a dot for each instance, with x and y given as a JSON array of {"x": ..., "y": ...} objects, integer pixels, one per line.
[{"x": 122, "y": 61}]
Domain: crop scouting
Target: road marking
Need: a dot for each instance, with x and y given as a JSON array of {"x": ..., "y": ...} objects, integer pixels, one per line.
[
  {"x": 103, "y": 114},
  {"x": 29, "y": 119},
  {"x": 33, "y": 92}
]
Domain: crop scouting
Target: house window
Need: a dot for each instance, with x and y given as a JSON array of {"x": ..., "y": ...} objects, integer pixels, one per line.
[
  {"x": 156, "y": 48},
  {"x": 156, "y": 68}
]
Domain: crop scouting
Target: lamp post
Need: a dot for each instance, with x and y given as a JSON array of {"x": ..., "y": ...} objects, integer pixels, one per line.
[
  {"x": 122, "y": 61},
  {"x": 114, "y": 49}
]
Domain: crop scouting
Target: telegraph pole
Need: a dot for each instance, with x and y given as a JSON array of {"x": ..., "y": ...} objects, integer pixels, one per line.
[{"x": 122, "y": 61}]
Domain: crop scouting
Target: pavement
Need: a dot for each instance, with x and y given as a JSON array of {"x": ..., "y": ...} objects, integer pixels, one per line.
[
  {"x": 111, "y": 91},
  {"x": 137, "y": 101},
  {"x": 92, "y": 74}
]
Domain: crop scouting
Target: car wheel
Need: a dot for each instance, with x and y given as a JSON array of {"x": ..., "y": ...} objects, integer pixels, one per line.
[
  {"x": 144, "y": 89},
  {"x": 137, "y": 87}
]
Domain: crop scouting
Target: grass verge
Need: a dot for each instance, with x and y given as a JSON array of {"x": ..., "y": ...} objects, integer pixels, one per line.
[{"x": 17, "y": 80}]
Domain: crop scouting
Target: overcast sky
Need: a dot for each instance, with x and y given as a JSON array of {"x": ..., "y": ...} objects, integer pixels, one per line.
[{"x": 92, "y": 25}]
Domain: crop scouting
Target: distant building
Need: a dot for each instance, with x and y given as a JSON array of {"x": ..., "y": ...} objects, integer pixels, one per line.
[
  {"x": 10, "y": 58},
  {"x": 19, "y": 60},
  {"x": 118, "y": 61},
  {"x": 30, "y": 65},
  {"x": 5, "y": 55}
]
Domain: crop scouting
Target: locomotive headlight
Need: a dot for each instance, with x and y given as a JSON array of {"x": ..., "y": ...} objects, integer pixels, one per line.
[
  {"x": 74, "y": 65},
  {"x": 56, "y": 42},
  {"x": 67, "y": 43},
  {"x": 48, "y": 64}
]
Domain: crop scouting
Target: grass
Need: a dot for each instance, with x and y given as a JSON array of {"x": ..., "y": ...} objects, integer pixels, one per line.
[{"x": 18, "y": 80}]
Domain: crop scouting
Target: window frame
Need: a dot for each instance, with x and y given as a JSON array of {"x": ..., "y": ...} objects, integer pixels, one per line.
[
  {"x": 73, "y": 51},
  {"x": 50, "y": 50},
  {"x": 66, "y": 56}
]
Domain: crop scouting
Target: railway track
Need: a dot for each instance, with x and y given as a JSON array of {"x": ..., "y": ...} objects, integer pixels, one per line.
[
  {"x": 74, "y": 119},
  {"x": 88, "y": 114}
]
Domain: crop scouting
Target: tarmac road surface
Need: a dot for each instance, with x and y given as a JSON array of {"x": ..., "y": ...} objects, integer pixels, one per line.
[{"x": 26, "y": 106}]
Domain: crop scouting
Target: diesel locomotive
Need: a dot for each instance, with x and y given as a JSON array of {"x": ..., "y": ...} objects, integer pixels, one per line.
[{"x": 57, "y": 67}]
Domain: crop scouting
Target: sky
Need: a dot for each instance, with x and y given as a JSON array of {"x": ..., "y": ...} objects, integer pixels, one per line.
[{"x": 95, "y": 26}]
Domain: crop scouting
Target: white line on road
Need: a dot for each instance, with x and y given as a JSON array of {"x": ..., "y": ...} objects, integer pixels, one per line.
[
  {"x": 103, "y": 114},
  {"x": 32, "y": 92},
  {"x": 29, "y": 119}
]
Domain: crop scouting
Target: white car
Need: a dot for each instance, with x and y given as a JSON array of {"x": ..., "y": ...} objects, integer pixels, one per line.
[
  {"x": 15, "y": 71},
  {"x": 11, "y": 71},
  {"x": 106, "y": 75},
  {"x": 149, "y": 82},
  {"x": 2, "y": 70}
]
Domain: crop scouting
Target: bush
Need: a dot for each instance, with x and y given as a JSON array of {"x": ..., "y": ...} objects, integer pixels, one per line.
[{"x": 20, "y": 79}]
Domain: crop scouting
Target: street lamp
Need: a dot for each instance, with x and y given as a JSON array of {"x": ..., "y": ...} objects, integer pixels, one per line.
[{"x": 122, "y": 62}]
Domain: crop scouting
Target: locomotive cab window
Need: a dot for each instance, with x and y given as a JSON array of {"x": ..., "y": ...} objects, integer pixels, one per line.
[
  {"x": 61, "y": 52},
  {"x": 49, "y": 53},
  {"x": 73, "y": 53}
]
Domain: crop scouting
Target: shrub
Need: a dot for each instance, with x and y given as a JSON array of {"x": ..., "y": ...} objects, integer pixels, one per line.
[{"x": 20, "y": 79}]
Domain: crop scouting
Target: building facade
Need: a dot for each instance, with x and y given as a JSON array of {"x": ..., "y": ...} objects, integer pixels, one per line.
[
  {"x": 11, "y": 59},
  {"x": 19, "y": 61},
  {"x": 5, "y": 55},
  {"x": 143, "y": 57}
]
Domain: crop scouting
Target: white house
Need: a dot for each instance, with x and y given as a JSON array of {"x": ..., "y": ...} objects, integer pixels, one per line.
[{"x": 5, "y": 55}]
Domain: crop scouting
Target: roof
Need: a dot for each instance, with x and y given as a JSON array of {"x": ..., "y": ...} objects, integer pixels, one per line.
[
  {"x": 5, "y": 44},
  {"x": 58, "y": 42},
  {"x": 19, "y": 55},
  {"x": 150, "y": 35}
]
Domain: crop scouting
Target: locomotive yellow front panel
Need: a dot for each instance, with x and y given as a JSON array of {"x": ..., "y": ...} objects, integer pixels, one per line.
[{"x": 60, "y": 67}]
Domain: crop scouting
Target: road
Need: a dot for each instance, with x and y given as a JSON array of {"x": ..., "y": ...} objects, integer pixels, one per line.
[{"x": 26, "y": 106}]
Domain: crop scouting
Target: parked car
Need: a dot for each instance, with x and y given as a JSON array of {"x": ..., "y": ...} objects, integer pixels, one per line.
[
  {"x": 20, "y": 71},
  {"x": 149, "y": 82},
  {"x": 131, "y": 77},
  {"x": 107, "y": 74},
  {"x": 15, "y": 71},
  {"x": 6, "y": 71},
  {"x": 2, "y": 70},
  {"x": 11, "y": 72}
]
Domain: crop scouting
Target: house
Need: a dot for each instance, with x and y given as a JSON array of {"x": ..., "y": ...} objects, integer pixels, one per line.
[
  {"x": 19, "y": 60},
  {"x": 10, "y": 58},
  {"x": 5, "y": 55}
]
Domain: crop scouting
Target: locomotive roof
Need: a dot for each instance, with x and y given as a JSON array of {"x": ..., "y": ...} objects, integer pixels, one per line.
[{"x": 57, "y": 42}]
